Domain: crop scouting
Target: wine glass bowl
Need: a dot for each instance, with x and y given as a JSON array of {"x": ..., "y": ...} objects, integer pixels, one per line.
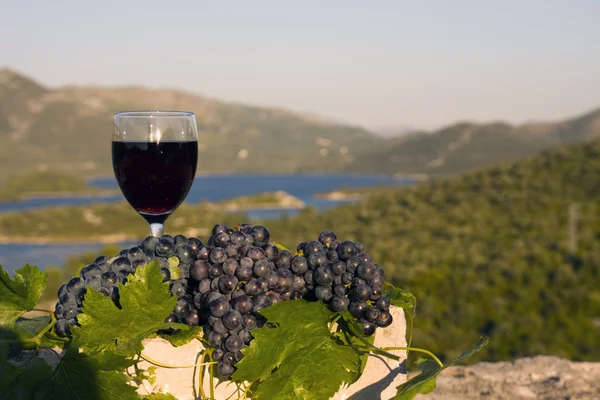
[{"x": 155, "y": 155}]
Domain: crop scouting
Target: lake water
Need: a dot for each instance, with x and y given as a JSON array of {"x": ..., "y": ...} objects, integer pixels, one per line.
[{"x": 205, "y": 188}]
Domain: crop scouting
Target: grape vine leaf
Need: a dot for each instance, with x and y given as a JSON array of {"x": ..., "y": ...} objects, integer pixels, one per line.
[
  {"x": 20, "y": 382},
  {"x": 425, "y": 382},
  {"x": 185, "y": 335},
  {"x": 299, "y": 358},
  {"x": 21, "y": 293},
  {"x": 145, "y": 300}
]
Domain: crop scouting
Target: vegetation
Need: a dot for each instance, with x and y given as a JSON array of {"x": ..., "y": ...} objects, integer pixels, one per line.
[
  {"x": 279, "y": 199},
  {"x": 41, "y": 183}
]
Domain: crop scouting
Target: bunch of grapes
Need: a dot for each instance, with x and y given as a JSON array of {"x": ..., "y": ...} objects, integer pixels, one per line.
[{"x": 224, "y": 283}]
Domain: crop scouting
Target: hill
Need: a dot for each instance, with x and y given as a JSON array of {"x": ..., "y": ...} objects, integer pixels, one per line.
[
  {"x": 511, "y": 252},
  {"x": 467, "y": 146},
  {"x": 70, "y": 129}
]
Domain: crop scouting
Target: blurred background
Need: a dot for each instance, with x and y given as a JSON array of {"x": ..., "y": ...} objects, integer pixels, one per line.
[{"x": 456, "y": 140}]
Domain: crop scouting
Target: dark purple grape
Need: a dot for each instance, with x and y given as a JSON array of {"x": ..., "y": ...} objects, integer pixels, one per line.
[
  {"x": 313, "y": 247},
  {"x": 185, "y": 254},
  {"x": 220, "y": 228},
  {"x": 337, "y": 280},
  {"x": 301, "y": 246},
  {"x": 376, "y": 294},
  {"x": 203, "y": 253},
  {"x": 178, "y": 240},
  {"x": 204, "y": 285},
  {"x": 260, "y": 301},
  {"x": 215, "y": 339},
  {"x": 62, "y": 290},
  {"x": 75, "y": 285},
  {"x": 309, "y": 277},
  {"x": 366, "y": 271},
  {"x": 70, "y": 311},
  {"x": 192, "y": 319},
  {"x": 299, "y": 265},
  {"x": 221, "y": 240},
  {"x": 358, "y": 282},
  {"x": 264, "y": 284},
  {"x": 359, "y": 247},
  {"x": 346, "y": 249},
  {"x": 248, "y": 240},
  {"x": 199, "y": 270},
  {"x": 357, "y": 309},
  {"x": 234, "y": 343},
  {"x": 284, "y": 259},
  {"x": 182, "y": 309},
  {"x": 237, "y": 293},
  {"x": 232, "y": 251},
  {"x": 228, "y": 357},
  {"x": 109, "y": 279},
  {"x": 230, "y": 266},
  {"x": 271, "y": 251},
  {"x": 165, "y": 247},
  {"x": 364, "y": 257},
  {"x": 232, "y": 319},
  {"x": 179, "y": 289},
  {"x": 101, "y": 260},
  {"x": 298, "y": 283},
  {"x": 243, "y": 273},
  {"x": 244, "y": 228},
  {"x": 255, "y": 253},
  {"x": 214, "y": 285},
  {"x": 219, "y": 307},
  {"x": 383, "y": 304},
  {"x": 347, "y": 278},
  {"x": 61, "y": 328},
  {"x": 162, "y": 262},
  {"x": 316, "y": 260},
  {"x": 340, "y": 290},
  {"x": 352, "y": 264},
  {"x": 171, "y": 318},
  {"x": 288, "y": 295},
  {"x": 225, "y": 370},
  {"x": 377, "y": 280},
  {"x": 194, "y": 243},
  {"x": 372, "y": 314},
  {"x": 95, "y": 281},
  {"x": 243, "y": 304},
  {"x": 149, "y": 245},
  {"x": 261, "y": 268},
  {"x": 217, "y": 326},
  {"x": 362, "y": 292},
  {"x": 104, "y": 291},
  {"x": 244, "y": 334},
  {"x": 332, "y": 256},
  {"x": 260, "y": 235},
  {"x": 323, "y": 276},
  {"x": 227, "y": 283},
  {"x": 218, "y": 255},
  {"x": 272, "y": 280},
  {"x": 385, "y": 319},
  {"x": 237, "y": 238},
  {"x": 166, "y": 273},
  {"x": 120, "y": 263},
  {"x": 274, "y": 297},
  {"x": 246, "y": 262},
  {"x": 339, "y": 303},
  {"x": 137, "y": 264},
  {"x": 323, "y": 293},
  {"x": 249, "y": 321},
  {"x": 327, "y": 237},
  {"x": 368, "y": 327},
  {"x": 135, "y": 253},
  {"x": 252, "y": 287},
  {"x": 89, "y": 271},
  {"x": 215, "y": 271},
  {"x": 218, "y": 354}
]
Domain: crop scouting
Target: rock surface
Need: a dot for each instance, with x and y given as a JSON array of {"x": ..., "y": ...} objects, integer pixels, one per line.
[{"x": 533, "y": 378}]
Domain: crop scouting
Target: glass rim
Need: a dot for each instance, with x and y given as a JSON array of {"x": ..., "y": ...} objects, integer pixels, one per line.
[{"x": 153, "y": 114}]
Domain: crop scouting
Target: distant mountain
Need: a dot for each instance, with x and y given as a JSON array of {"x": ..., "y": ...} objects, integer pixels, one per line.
[
  {"x": 465, "y": 146},
  {"x": 70, "y": 129},
  {"x": 393, "y": 130}
]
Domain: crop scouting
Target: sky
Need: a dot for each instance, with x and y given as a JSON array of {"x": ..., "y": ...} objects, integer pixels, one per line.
[{"x": 393, "y": 63}]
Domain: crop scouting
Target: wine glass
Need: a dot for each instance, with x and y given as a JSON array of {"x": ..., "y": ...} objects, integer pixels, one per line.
[{"x": 154, "y": 155}]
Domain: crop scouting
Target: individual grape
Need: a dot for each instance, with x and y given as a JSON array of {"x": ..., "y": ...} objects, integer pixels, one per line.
[
  {"x": 237, "y": 238},
  {"x": 61, "y": 328},
  {"x": 377, "y": 280},
  {"x": 218, "y": 307},
  {"x": 301, "y": 246},
  {"x": 372, "y": 314},
  {"x": 171, "y": 318},
  {"x": 376, "y": 294},
  {"x": 323, "y": 293},
  {"x": 249, "y": 321},
  {"x": 192, "y": 319},
  {"x": 204, "y": 286},
  {"x": 89, "y": 271},
  {"x": 163, "y": 262},
  {"x": 123, "y": 253},
  {"x": 346, "y": 249},
  {"x": 261, "y": 268},
  {"x": 221, "y": 240},
  {"x": 366, "y": 271},
  {"x": 203, "y": 253},
  {"x": 199, "y": 270},
  {"x": 316, "y": 260},
  {"x": 352, "y": 264},
  {"x": 211, "y": 242},
  {"x": 59, "y": 309},
  {"x": 332, "y": 256},
  {"x": 75, "y": 285},
  {"x": 347, "y": 278},
  {"x": 227, "y": 283},
  {"x": 179, "y": 289},
  {"x": 182, "y": 309},
  {"x": 274, "y": 298},
  {"x": 243, "y": 304},
  {"x": 313, "y": 247},
  {"x": 95, "y": 281},
  {"x": 166, "y": 273},
  {"x": 339, "y": 303},
  {"x": 194, "y": 243},
  {"x": 185, "y": 254},
  {"x": 232, "y": 319},
  {"x": 230, "y": 266},
  {"x": 252, "y": 287},
  {"x": 323, "y": 276},
  {"x": 368, "y": 327},
  {"x": 298, "y": 283},
  {"x": 149, "y": 244},
  {"x": 120, "y": 263},
  {"x": 135, "y": 253},
  {"x": 264, "y": 284},
  {"x": 244, "y": 228},
  {"x": 215, "y": 271},
  {"x": 243, "y": 273},
  {"x": 228, "y": 357},
  {"x": 358, "y": 282},
  {"x": 80, "y": 295},
  {"x": 337, "y": 279},
  {"x": 255, "y": 254},
  {"x": 248, "y": 240},
  {"x": 362, "y": 292},
  {"x": 109, "y": 279},
  {"x": 359, "y": 247},
  {"x": 178, "y": 240},
  {"x": 137, "y": 264},
  {"x": 70, "y": 311},
  {"x": 299, "y": 265},
  {"x": 334, "y": 245},
  {"x": 220, "y": 228},
  {"x": 385, "y": 319},
  {"x": 357, "y": 309},
  {"x": 326, "y": 237},
  {"x": 62, "y": 290},
  {"x": 383, "y": 304},
  {"x": 271, "y": 251},
  {"x": 217, "y": 326},
  {"x": 288, "y": 295},
  {"x": 260, "y": 301},
  {"x": 232, "y": 251},
  {"x": 284, "y": 259},
  {"x": 237, "y": 293},
  {"x": 246, "y": 262},
  {"x": 238, "y": 356},
  {"x": 165, "y": 247},
  {"x": 260, "y": 235},
  {"x": 225, "y": 370},
  {"x": 218, "y": 255},
  {"x": 364, "y": 257},
  {"x": 309, "y": 277},
  {"x": 100, "y": 261},
  {"x": 272, "y": 279},
  {"x": 340, "y": 290},
  {"x": 218, "y": 354},
  {"x": 214, "y": 285},
  {"x": 104, "y": 291},
  {"x": 215, "y": 339},
  {"x": 234, "y": 343}
]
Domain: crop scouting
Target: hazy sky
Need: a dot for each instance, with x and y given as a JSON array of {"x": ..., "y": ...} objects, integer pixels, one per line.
[{"x": 423, "y": 63}]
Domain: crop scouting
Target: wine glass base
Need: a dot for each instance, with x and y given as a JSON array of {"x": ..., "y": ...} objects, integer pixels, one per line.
[{"x": 156, "y": 222}]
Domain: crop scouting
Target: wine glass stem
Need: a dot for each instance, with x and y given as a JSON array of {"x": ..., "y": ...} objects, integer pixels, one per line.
[{"x": 157, "y": 229}]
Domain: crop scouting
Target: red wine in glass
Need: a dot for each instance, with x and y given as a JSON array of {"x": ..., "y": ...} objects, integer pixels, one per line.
[{"x": 155, "y": 156}]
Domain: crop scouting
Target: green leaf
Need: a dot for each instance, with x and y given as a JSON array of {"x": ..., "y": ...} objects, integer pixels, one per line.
[
  {"x": 21, "y": 293},
  {"x": 408, "y": 302},
  {"x": 95, "y": 377},
  {"x": 425, "y": 382},
  {"x": 145, "y": 300},
  {"x": 349, "y": 331},
  {"x": 299, "y": 358},
  {"x": 280, "y": 247},
  {"x": 184, "y": 335},
  {"x": 20, "y": 383},
  {"x": 160, "y": 396}
]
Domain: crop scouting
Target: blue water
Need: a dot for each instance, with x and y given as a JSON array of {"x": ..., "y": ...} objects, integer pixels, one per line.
[{"x": 205, "y": 188}]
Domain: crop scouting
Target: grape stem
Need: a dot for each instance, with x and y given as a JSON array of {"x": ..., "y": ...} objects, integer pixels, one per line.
[
  {"x": 211, "y": 376},
  {"x": 36, "y": 341},
  {"x": 163, "y": 365},
  {"x": 384, "y": 351}
]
